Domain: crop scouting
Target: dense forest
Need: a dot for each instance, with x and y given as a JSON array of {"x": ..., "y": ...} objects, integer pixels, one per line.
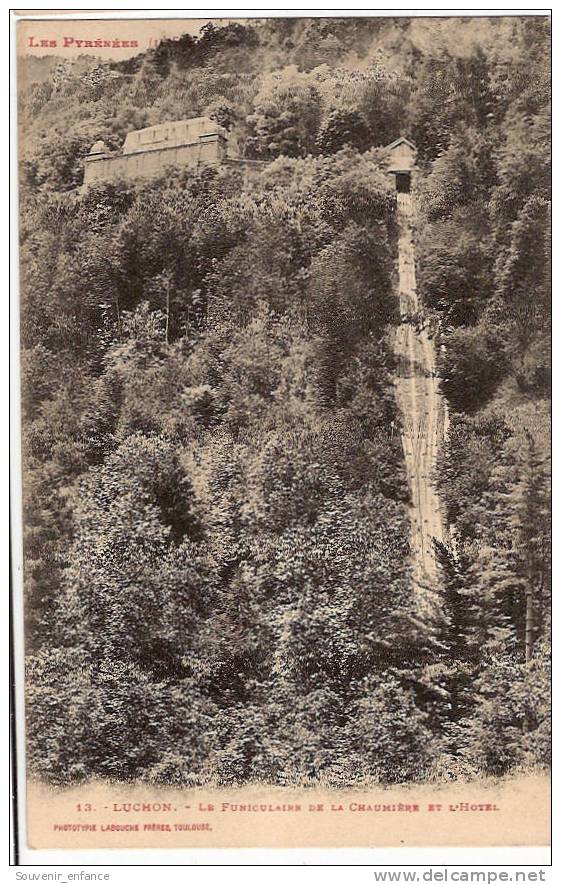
[{"x": 216, "y": 540}]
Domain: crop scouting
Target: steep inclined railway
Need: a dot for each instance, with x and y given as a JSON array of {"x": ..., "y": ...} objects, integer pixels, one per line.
[{"x": 423, "y": 412}]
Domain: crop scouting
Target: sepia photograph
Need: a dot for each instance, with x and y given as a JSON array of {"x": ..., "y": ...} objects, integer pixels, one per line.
[{"x": 285, "y": 354}]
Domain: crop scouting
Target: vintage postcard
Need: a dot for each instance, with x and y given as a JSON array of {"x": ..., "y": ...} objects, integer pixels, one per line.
[{"x": 285, "y": 338}]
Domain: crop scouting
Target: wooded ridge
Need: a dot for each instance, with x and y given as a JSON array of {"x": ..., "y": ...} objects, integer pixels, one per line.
[{"x": 218, "y": 570}]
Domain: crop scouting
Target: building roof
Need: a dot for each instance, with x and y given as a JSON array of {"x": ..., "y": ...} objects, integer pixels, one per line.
[
  {"x": 398, "y": 141},
  {"x": 98, "y": 148},
  {"x": 171, "y": 133},
  {"x": 190, "y": 121}
]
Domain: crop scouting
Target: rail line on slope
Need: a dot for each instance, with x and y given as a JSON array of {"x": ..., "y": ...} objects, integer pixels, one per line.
[{"x": 423, "y": 413}]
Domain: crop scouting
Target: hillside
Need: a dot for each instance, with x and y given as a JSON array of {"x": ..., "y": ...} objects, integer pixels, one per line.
[{"x": 218, "y": 573}]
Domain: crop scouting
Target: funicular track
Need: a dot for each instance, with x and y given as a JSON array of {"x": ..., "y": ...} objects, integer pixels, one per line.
[{"x": 422, "y": 410}]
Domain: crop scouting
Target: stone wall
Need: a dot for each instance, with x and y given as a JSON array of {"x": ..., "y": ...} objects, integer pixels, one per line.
[{"x": 207, "y": 150}]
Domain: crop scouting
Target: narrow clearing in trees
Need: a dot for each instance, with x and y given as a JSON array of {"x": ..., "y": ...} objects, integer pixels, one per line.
[{"x": 422, "y": 408}]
